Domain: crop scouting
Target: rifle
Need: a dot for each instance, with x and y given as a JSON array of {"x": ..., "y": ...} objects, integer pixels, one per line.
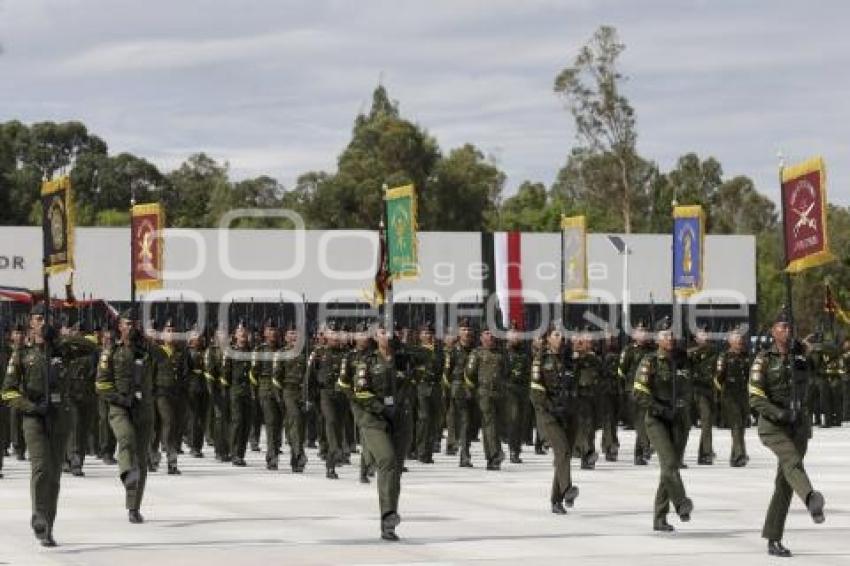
[{"x": 305, "y": 386}]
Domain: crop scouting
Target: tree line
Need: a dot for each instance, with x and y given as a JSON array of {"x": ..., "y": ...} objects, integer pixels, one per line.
[{"x": 603, "y": 176}]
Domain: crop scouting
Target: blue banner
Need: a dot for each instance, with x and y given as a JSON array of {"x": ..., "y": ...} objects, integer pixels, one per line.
[{"x": 688, "y": 238}]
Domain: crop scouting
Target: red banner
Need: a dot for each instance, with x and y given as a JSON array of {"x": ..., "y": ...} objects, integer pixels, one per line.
[
  {"x": 804, "y": 215},
  {"x": 148, "y": 222}
]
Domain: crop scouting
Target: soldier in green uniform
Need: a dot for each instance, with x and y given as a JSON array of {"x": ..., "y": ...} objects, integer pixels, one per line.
[
  {"x": 630, "y": 358},
  {"x": 125, "y": 379},
  {"x": 105, "y": 437},
  {"x": 262, "y": 370},
  {"x": 172, "y": 365},
  {"x": 777, "y": 388},
  {"x": 817, "y": 352},
  {"x": 236, "y": 368},
  {"x": 486, "y": 374},
  {"x": 516, "y": 392},
  {"x": 198, "y": 394},
  {"x": 703, "y": 361},
  {"x": 553, "y": 391},
  {"x": 219, "y": 395},
  {"x": 37, "y": 385},
  {"x": 16, "y": 417},
  {"x": 428, "y": 365},
  {"x": 845, "y": 380},
  {"x": 323, "y": 368},
  {"x": 353, "y": 359},
  {"x": 381, "y": 401},
  {"x": 462, "y": 396},
  {"x": 609, "y": 396},
  {"x": 733, "y": 368},
  {"x": 290, "y": 366},
  {"x": 81, "y": 372},
  {"x": 449, "y": 344},
  {"x": 587, "y": 367},
  {"x": 5, "y": 425},
  {"x": 662, "y": 390},
  {"x": 829, "y": 373}
]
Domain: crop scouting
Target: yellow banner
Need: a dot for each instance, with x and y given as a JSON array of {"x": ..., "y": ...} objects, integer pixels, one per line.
[
  {"x": 147, "y": 225},
  {"x": 57, "y": 207},
  {"x": 574, "y": 244}
]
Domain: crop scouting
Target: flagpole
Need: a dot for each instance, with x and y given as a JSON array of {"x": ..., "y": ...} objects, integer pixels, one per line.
[
  {"x": 132, "y": 262},
  {"x": 795, "y": 401},
  {"x": 563, "y": 267}
]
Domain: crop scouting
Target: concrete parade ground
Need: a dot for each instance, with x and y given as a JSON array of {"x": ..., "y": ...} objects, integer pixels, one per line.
[{"x": 217, "y": 514}]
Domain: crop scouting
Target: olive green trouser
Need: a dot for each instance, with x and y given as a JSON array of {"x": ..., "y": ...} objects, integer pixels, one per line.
[
  {"x": 132, "y": 430},
  {"x": 272, "y": 419},
  {"x": 516, "y": 404},
  {"x": 293, "y": 407},
  {"x": 705, "y": 411},
  {"x": 333, "y": 405},
  {"x": 166, "y": 430},
  {"x": 198, "y": 404},
  {"x": 462, "y": 401},
  {"x": 607, "y": 410},
  {"x": 560, "y": 433},
  {"x": 642, "y": 440},
  {"x": 789, "y": 444},
  {"x": 4, "y": 432},
  {"x": 669, "y": 440},
  {"x": 387, "y": 443},
  {"x": 735, "y": 416},
  {"x": 240, "y": 422},
  {"x": 46, "y": 438},
  {"x": 586, "y": 433},
  {"x": 82, "y": 415},
  {"x": 427, "y": 418},
  {"x": 489, "y": 403},
  {"x": 106, "y": 438}
]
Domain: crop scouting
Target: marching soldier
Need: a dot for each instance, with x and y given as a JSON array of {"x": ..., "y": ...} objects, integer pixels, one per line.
[
  {"x": 236, "y": 380},
  {"x": 553, "y": 393},
  {"x": 381, "y": 404},
  {"x": 125, "y": 377},
  {"x": 37, "y": 385},
  {"x": 353, "y": 359},
  {"x": 323, "y": 369},
  {"x": 777, "y": 387},
  {"x": 486, "y": 374},
  {"x": 105, "y": 437},
  {"x": 219, "y": 395},
  {"x": 81, "y": 372},
  {"x": 609, "y": 395},
  {"x": 198, "y": 394},
  {"x": 662, "y": 390},
  {"x": 829, "y": 372},
  {"x": 262, "y": 371},
  {"x": 516, "y": 393},
  {"x": 845, "y": 379},
  {"x": 733, "y": 367},
  {"x": 703, "y": 362},
  {"x": 449, "y": 344},
  {"x": 587, "y": 367},
  {"x": 289, "y": 376},
  {"x": 172, "y": 365},
  {"x": 428, "y": 365},
  {"x": 462, "y": 396},
  {"x": 635, "y": 414}
]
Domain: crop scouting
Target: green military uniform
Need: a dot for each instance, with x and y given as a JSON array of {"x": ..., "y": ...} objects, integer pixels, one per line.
[
  {"x": 354, "y": 359},
  {"x": 461, "y": 399},
  {"x": 587, "y": 367},
  {"x": 817, "y": 377},
  {"x": 635, "y": 414},
  {"x": 125, "y": 379},
  {"x": 731, "y": 381},
  {"x": 324, "y": 366},
  {"x": 105, "y": 437},
  {"x": 381, "y": 402},
  {"x": 220, "y": 400},
  {"x": 609, "y": 396},
  {"x": 777, "y": 393},
  {"x": 289, "y": 376},
  {"x": 172, "y": 366},
  {"x": 427, "y": 373},
  {"x": 236, "y": 381},
  {"x": 81, "y": 373},
  {"x": 703, "y": 362},
  {"x": 554, "y": 391},
  {"x": 198, "y": 396},
  {"x": 263, "y": 372},
  {"x": 516, "y": 398},
  {"x": 37, "y": 385},
  {"x": 829, "y": 382},
  {"x": 486, "y": 373},
  {"x": 662, "y": 390},
  {"x": 5, "y": 424},
  {"x": 845, "y": 380}
]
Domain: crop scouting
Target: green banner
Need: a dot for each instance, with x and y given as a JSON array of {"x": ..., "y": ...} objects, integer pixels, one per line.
[{"x": 402, "y": 258}]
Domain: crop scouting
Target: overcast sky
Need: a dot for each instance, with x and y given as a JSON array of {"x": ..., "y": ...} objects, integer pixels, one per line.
[{"x": 273, "y": 86}]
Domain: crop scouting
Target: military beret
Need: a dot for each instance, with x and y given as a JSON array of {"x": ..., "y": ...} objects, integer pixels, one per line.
[
  {"x": 465, "y": 322},
  {"x": 38, "y": 309},
  {"x": 271, "y": 322},
  {"x": 426, "y": 326},
  {"x": 664, "y": 324},
  {"x": 128, "y": 314},
  {"x": 783, "y": 316}
]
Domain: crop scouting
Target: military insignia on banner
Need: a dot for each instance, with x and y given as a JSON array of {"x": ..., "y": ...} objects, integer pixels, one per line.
[
  {"x": 57, "y": 207},
  {"x": 688, "y": 249},
  {"x": 804, "y": 215},
  {"x": 574, "y": 244},
  {"x": 146, "y": 247},
  {"x": 402, "y": 247}
]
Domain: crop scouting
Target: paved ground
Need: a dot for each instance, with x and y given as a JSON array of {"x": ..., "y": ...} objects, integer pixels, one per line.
[{"x": 217, "y": 514}]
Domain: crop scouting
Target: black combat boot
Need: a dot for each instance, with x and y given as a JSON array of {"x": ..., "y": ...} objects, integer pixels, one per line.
[
  {"x": 661, "y": 525},
  {"x": 135, "y": 517},
  {"x": 388, "y": 524},
  {"x": 775, "y": 548},
  {"x": 815, "y": 503}
]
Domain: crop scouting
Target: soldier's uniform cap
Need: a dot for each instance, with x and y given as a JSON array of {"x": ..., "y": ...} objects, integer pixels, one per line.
[
  {"x": 38, "y": 310},
  {"x": 361, "y": 326},
  {"x": 783, "y": 316},
  {"x": 128, "y": 314},
  {"x": 664, "y": 324},
  {"x": 426, "y": 326},
  {"x": 641, "y": 325},
  {"x": 464, "y": 323},
  {"x": 331, "y": 326},
  {"x": 271, "y": 322}
]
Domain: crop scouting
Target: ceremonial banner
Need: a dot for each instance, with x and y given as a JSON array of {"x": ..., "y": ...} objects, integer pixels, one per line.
[
  {"x": 574, "y": 267},
  {"x": 688, "y": 249},
  {"x": 57, "y": 208},
  {"x": 402, "y": 259},
  {"x": 804, "y": 215},
  {"x": 382, "y": 282},
  {"x": 146, "y": 247}
]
